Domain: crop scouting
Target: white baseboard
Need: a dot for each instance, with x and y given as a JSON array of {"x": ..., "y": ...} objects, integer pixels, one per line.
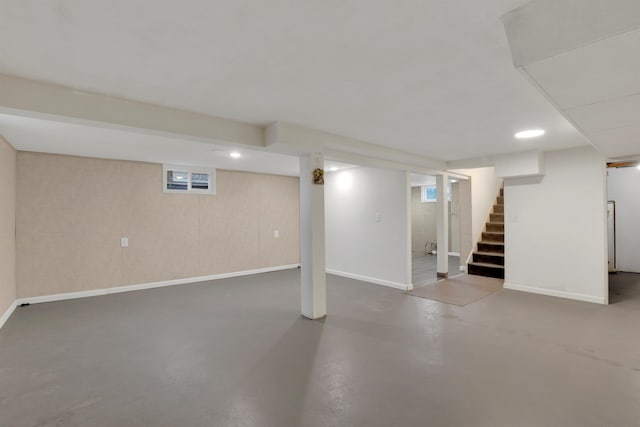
[
  {"x": 555, "y": 293},
  {"x": 129, "y": 288},
  {"x": 382, "y": 282},
  {"x": 8, "y": 312}
]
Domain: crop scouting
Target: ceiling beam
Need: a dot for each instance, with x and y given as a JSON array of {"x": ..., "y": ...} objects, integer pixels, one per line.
[
  {"x": 30, "y": 98},
  {"x": 286, "y": 136},
  {"x": 629, "y": 164}
]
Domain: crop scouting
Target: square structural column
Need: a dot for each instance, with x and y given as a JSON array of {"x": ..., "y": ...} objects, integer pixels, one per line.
[
  {"x": 442, "y": 221},
  {"x": 312, "y": 237}
]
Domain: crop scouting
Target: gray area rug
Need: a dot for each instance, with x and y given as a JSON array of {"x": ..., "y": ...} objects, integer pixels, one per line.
[{"x": 459, "y": 290}]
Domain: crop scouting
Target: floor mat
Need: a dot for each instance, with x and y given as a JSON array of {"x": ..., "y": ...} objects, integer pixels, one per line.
[{"x": 459, "y": 290}]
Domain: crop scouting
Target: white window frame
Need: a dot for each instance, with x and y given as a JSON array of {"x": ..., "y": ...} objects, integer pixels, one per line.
[
  {"x": 190, "y": 171},
  {"x": 423, "y": 193}
]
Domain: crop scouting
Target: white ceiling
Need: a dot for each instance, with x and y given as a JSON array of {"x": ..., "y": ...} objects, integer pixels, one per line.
[
  {"x": 425, "y": 76},
  {"x": 597, "y": 86},
  {"x": 583, "y": 55}
]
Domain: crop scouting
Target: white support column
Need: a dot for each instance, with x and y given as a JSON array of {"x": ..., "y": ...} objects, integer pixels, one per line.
[
  {"x": 442, "y": 219},
  {"x": 408, "y": 207},
  {"x": 312, "y": 248}
]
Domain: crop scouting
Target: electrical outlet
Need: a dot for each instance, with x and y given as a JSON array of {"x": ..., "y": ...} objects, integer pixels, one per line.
[{"x": 124, "y": 242}]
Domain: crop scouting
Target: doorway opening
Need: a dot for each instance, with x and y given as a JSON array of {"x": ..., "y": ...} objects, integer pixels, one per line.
[
  {"x": 623, "y": 229},
  {"x": 424, "y": 229}
]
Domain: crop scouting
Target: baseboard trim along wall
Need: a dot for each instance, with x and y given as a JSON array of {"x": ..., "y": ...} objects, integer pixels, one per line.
[
  {"x": 8, "y": 313},
  {"x": 554, "y": 293},
  {"x": 382, "y": 282},
  {"x": 129, "y": 288}
]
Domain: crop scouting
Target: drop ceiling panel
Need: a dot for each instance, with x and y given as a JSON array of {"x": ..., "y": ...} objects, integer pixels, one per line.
[
  {"x": 618, "y": 142},
  {"x": 615, "y": 113},
  {"x": 623, "y": 151},
  {"x": 601, "y": 71}
]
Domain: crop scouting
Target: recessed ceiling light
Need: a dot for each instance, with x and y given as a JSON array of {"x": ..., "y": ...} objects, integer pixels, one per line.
[
  {"x": 235, "y": 154},
  {"x": 531, "y": 133},
  {"x": 454, "y": 181},
  {"x": 333, "y": 169}
]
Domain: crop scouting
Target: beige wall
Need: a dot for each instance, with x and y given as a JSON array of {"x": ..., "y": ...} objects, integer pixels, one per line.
[
  {"x": 7, "y": 225},
  {"x": 72, "y": 212},
  {"x": 423, "y": 221}
]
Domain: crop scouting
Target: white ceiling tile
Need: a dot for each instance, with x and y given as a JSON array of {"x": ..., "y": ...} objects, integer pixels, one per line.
[
  {"x": 618, "y": 142},
  {"x": 597, "y": 72},
  {"x": 611, "y": 114}
]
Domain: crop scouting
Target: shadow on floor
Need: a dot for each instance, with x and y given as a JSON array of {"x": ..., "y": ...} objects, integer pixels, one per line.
[
  {"x": 289, "y": 364},
  {"x": 623, "y": 286}
]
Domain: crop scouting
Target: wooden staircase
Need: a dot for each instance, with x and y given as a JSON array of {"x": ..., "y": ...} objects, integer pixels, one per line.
[{"x": 488, "y": 260}]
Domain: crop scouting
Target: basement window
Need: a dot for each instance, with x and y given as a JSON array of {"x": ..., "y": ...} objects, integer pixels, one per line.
[
  {"x": 187, "y": 179},
  {"x": 429, "y": 193}
]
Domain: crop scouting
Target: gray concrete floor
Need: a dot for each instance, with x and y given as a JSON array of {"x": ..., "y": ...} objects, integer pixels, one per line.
[
  {"x": 424, "y": 268},
  {"x": 237, "y": 353}
]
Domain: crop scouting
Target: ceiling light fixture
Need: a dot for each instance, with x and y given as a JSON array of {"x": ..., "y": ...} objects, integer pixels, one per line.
[
  {"x": 235, "y": 155},
  {"x": 531, "y": 133},
  {"x": 333, "y": 169}
]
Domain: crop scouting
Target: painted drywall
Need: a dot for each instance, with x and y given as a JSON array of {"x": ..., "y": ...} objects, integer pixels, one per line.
[
  {"x": 356, "y": 242},
  {"x": 72, "y": 212},
  {"x": 484, "y": 190},
  {"x": 624, "y": 188},
  {"x": 465, "y": 220},
  {"x": 555, "y": 228},
  {"x": 7, "y": 226},
  {"x": 454, "y": 219}
]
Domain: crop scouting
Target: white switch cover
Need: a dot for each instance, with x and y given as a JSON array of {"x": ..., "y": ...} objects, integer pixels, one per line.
[
  {"x": 378, "y": 217},
  {"x": 124, "y": 242},
  {"x": 276, "y": 234}
]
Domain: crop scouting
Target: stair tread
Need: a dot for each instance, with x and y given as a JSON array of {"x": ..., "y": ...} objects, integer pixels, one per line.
[
  {"x": 495, "y": 223},
  {"x": 494, "y": 232},
  {"x": 491, "y": 243},
  {"x": 486, "y": 264},
  {"x": 500, "y": 254}
]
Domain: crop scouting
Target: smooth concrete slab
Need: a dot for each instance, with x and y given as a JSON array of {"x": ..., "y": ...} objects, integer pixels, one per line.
[
  {"x": 236, "y": 352},
  {"x": 460, "y": 290},
  {"x": 424, "y": 268}
]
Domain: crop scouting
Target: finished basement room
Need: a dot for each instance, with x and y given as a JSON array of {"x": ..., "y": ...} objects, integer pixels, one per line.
[{"x": 311, "y": 214}]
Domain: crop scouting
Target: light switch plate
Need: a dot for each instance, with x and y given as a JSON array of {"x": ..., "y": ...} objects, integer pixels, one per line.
[
  {"x": 124, "y": 242},
  {"x": 276, "y": 234}
]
